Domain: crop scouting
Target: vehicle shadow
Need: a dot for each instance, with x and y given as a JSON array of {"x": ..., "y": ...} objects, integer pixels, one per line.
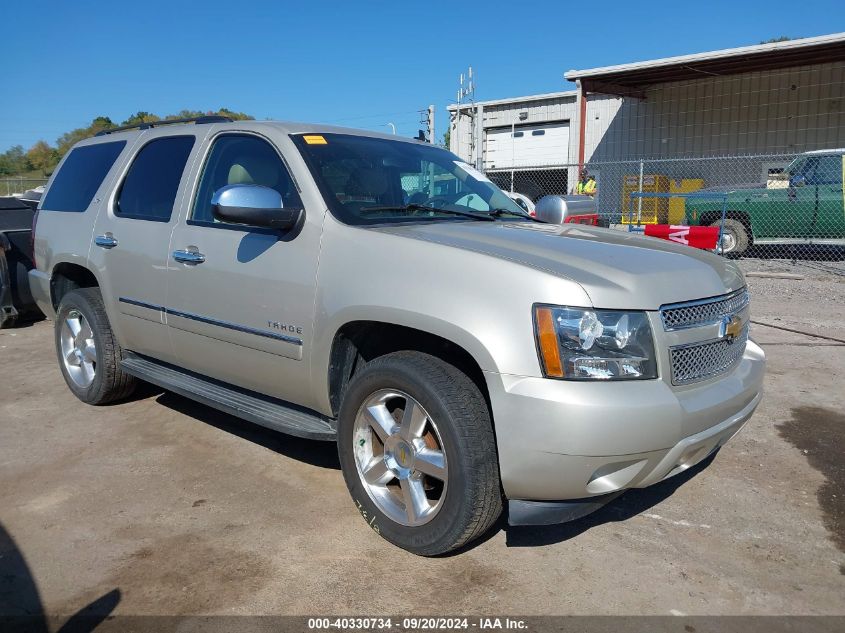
[
  {"x": 626, "y": 506},
  {"x": 314, "y": 452},
  {"x": 21, "y": 608}
]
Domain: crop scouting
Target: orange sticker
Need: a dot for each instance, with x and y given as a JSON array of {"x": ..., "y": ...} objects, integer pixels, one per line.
[{"x": 315, "y": 139}]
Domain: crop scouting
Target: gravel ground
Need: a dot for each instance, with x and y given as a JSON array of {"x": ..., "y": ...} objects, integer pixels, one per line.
[{"x": 162, "y": 506}]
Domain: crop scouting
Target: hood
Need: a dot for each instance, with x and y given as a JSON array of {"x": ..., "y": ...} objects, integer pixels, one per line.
[{"x": 618, "y": 270}]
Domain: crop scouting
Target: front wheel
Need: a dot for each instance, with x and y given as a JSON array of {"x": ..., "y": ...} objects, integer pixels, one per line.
[
  {"x": 734, "y": 237},
  {"x": 417, "y": 450}
]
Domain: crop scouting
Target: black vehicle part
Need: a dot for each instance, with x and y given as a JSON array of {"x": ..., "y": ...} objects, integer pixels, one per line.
[
  {"x": 16, "y": 302},
  {"x": 242, "y": 403},
  {"x": 198, "y": 120},
  {"x": 553, "y": 512}
]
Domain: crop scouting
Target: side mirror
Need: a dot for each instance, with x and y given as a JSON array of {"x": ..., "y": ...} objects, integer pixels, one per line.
[
  {"x": 254, "y": 205},
  {"x": 798, "y": 181}
]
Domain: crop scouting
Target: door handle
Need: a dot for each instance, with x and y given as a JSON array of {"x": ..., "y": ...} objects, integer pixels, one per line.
[
  {"x": 105, "y": 241},
  {"x": 188, "y": 257}
]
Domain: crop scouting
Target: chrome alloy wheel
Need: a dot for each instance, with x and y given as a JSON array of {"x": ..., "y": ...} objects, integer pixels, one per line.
[
  {"x": 400, "y": 458},
  {"x": 78, "y": 350}
]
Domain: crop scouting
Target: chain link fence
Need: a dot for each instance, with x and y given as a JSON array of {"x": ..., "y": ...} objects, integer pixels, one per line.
[
  {"x": 778, "y": 205},
  {"x": 17, "y": 186}
]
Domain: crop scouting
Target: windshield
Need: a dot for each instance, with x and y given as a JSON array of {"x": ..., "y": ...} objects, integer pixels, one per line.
[{"x": 368, "y": 180}]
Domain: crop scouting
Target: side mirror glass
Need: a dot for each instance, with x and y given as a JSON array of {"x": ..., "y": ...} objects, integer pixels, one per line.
[
  {"x": 254, "y": 205},
  {"x": 797, "y": 181}
]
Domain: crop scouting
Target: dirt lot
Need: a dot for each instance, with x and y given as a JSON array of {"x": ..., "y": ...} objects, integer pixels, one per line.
[{"x": 183, "y": 510}]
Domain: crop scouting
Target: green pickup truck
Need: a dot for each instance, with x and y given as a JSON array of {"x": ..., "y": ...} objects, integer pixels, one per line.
[{"x": 808, "y": 205}]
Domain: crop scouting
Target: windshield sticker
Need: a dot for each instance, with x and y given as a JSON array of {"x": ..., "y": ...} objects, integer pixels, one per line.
[
  {"x": 472, "y": 171},
  {"x": 315, "y": 139}
]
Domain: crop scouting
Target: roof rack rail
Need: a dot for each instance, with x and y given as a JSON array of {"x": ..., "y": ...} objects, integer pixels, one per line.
[{"x": 210, "y": 118}]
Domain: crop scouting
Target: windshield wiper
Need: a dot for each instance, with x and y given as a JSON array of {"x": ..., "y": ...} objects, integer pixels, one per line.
[
  {"x": 497, "y": 213},
  {"x": 421, "y": 207}
]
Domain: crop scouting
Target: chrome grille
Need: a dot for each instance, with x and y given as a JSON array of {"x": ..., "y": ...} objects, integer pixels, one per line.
[
  {"x": 700, "y": 361},
  {"x": 703, "y": 312}
]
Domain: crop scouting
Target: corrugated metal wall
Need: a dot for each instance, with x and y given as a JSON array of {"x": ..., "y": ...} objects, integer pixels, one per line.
[
  {"x": 791, "y": 110},
  {"x": 543, "y": 111},
  {"x": 503, "y": 115}
]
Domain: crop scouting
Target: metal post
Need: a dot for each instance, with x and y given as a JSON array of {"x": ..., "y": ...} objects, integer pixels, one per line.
[
  {"x": 640, "y": 198},
  {"x": 513, "y": 149},
  {"x": 722, "y": 223},
  {"x": 431, "y": 138}
]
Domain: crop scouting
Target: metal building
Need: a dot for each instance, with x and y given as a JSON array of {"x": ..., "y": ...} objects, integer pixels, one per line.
[
  {"x": 783, "y": 97},
  {"x": 522, "y": 132}
]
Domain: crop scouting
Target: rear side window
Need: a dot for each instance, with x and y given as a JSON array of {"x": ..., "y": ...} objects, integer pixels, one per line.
[
  {"x": 149, "y": 189},
  {"x": 81, "y": 175}
]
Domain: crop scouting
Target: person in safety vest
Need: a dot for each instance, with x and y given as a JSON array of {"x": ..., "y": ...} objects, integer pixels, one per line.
[{"x": 587, "y": 185}]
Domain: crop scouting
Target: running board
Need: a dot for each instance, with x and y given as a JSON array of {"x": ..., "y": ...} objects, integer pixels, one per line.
[{"x": 248, "y": 405}]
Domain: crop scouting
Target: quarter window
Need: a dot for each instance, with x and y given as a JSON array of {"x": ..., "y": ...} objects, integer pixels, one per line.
[
  {"x": 240, "y": 159},
  {"x": 149, "y": 190},
  {"x": 80, "y": 176}
]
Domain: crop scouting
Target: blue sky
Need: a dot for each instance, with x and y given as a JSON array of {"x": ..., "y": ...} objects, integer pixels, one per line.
[{"x": 361, "y": 64}]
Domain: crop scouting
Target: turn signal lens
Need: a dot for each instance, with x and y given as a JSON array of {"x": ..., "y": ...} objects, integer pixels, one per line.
[{"x": 548, "y": 342}]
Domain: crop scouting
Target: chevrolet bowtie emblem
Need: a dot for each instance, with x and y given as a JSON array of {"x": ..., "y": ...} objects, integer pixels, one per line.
[{"x": 730, "y": 327}]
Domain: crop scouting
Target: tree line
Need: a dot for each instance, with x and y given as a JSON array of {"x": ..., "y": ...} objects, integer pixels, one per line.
[{"x": 40, "y": 159}]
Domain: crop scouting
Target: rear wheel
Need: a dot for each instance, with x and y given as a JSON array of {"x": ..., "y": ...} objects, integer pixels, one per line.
[
  {"x": 416, "y": 446},
  {"x": 734, "y": 237},
  {"x": 88, "y": 353}
]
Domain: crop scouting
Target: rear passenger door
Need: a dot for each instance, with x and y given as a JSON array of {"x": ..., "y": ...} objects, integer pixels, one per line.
[
  {"x": 132, "y": 238},
  {"x": 242, "y": 312}
]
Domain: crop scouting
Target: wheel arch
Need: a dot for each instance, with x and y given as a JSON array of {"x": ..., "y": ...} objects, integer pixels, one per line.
[
  {"x": 359, "y": 341},
  {"x": 67, "y": 276}
]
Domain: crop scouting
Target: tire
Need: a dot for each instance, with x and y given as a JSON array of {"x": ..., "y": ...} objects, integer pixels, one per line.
[
  {"x": 452, "y": 417},
  {"x": 93, "y": 374},
  {"x": 734, "y": 237}
]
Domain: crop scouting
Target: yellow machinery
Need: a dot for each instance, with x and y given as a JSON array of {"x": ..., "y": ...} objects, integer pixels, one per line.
[
  {"x": 677, "y": 206},
  {"x": 653, "y": 210}
]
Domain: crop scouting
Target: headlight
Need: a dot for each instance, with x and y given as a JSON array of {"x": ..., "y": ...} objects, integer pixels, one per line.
[{"x": 584, "y": 344}]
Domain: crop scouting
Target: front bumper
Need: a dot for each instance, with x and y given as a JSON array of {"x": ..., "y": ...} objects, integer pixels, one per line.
[{"x": 561, "y": 440}]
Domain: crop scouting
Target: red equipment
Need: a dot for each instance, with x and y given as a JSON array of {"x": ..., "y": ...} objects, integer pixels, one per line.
[{"x": 706, "y": 237}]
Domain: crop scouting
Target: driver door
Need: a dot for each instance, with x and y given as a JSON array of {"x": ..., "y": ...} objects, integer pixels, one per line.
[{"x": 240, "y": 310}]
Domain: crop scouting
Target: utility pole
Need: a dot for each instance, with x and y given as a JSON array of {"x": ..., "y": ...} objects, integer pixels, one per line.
[
  {"x": 427, "y": 121},
  {"x": 465, "y": 91}
]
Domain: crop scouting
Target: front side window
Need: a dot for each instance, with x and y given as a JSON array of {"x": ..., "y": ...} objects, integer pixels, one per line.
[
  {"x": 149, "y": 189},
  {"x": 368, "y": 180},
  {"x": 237, "y": 159},
  {"x": 80, "y": 176},
  {"x": 828, "y": 171}
]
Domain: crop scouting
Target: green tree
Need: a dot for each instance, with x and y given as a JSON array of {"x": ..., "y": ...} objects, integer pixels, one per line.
[
  {"x": 42, "y": 156},
  {"x": 141, "y": 117},
  {"x": 775, "y": 40},
  {"x": 13, "y": 161},
  {"x": 447, "y": 137}
]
